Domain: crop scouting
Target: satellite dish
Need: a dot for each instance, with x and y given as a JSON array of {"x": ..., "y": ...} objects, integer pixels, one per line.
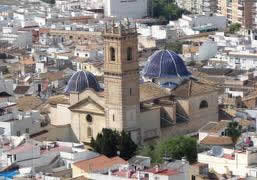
[{"x": 217, "y": 151}]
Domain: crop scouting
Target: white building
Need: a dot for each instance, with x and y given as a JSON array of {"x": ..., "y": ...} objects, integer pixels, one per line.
[
  {"x": 195, "y": 24},
  {"x": 40, "y": 20},
  {"x": 168, "y": 33},
  {"x": 237, "y": 60},
  {"x": 44, "y": 156},
  {"x": 18, "y": 123},
  {"x": 84, "y": 52},
  {"x": 239, "y": 162},
  {"x": 126, "y": 8},
  {"x": 20, "y": 39}
]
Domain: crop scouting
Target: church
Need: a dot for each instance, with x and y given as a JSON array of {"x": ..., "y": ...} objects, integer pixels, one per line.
[{"x": 168, "y": 102}]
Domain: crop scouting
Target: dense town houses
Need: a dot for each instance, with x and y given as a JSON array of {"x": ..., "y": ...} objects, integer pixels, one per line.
[{"x": 175, "y": 84}]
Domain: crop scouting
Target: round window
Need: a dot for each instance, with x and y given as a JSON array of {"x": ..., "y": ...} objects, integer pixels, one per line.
[{"x": 89, "y": 118}]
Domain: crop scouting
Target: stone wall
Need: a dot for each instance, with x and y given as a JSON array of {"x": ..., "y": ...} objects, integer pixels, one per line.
[{"x": 197, "y": 117}]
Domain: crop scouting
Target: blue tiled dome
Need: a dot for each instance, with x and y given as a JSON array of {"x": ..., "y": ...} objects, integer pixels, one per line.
[
  {"x": 80, "y": 81},
  {"x": 165, "y": 64}
]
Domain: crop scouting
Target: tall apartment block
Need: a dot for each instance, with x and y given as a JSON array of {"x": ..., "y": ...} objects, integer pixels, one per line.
[
  {"x": 239, "y": 11},
  {"x": 198, "y": 6}
]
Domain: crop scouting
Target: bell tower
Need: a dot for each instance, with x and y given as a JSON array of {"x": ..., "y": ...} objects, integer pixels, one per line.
[{"x": 121, "y": 77}]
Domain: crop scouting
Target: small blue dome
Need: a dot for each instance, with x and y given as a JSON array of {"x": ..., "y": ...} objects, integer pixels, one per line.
[
  {"x": 80, "y": 81},
  {"x": 165, "y": 64}
]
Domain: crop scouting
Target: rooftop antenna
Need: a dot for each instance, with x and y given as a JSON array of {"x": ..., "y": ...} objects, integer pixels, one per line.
[
  {"x": 113, "y": 25},
  {"x": 128, "y": 23},
  {"x": 120, "y": 28},
  {"x": 105, "y": 27}
]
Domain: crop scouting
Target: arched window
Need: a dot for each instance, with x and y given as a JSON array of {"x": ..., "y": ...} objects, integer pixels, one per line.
[
  {"x": 89, "y": 132},
  {"x": 129, "y": 54},
  {"x": 89, "y": 118},
  {"x": 203, "y": 104},
  {"x": 112, "y": 53}
]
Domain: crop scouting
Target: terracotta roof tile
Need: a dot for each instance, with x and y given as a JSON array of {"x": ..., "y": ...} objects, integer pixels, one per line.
[
  {"x": 28, "y": 60},
  {"x": 59, "y": 99},
  {"x": 216, "y": 140},
  {"x": 151, "y": 91},
  {"x": 52, "y": 76},
  {"x": 98, "y": 163},
  {"x": 218, "y": 127},
  {"x": 21, "y": 89},
  {"x": 192, "y": 88},
  {"x": 27, "y": 103}
]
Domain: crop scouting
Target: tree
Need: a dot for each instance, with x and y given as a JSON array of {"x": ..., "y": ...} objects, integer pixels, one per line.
[
  {"x": 167, "y": 9},
  {"x": 234, "y": 130},
  {"x": 174, "y": 147},
  {"x": 109, "y": 142},
  {"x": 49, "y": 1},
  {"x": 126, "y": 146},
  {"x": 233, "y": 28}
]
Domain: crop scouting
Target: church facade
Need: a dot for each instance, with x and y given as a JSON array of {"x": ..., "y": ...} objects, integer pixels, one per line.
[{"x": 145, "y": 110}]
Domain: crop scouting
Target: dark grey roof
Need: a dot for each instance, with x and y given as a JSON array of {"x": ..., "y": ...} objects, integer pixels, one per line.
[
  {"x": 81, "y": 81},
  {"x": 165, "y": 64}
]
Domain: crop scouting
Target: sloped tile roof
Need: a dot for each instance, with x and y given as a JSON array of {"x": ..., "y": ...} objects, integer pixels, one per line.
[
  {"x": 151, "y": 91},
  {"x": 98, "y": 163},
  {"x": 217, "y": 140},
  {"x": 21, "y": 89},
  {"x": 59, "y": 99},
  {"x": 191, "y": 88},
  {"x": 27, "y": 103}
]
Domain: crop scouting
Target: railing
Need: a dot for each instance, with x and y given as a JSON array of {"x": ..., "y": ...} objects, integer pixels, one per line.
[{"x": 7, "y": 117}]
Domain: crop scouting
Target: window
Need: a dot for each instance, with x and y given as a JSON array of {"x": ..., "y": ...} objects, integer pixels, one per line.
[
  {"x": 71, "y": 37},
  {"x": 89, "y": 118},
  {"x": 193, "y": 177},
  {"x": 203, "y": 104},
  {"x": 14, "y": 157},
  {"x": 18, "y": 133},
  {"x": 112, "y": 53},
  {"x": 89, "y": 132},
  {"x": 130, "y": 91},
  {"x": 27, "y": 130},
  {"x": 113, "y": 118},
  {"x": 129, "y": 54}
]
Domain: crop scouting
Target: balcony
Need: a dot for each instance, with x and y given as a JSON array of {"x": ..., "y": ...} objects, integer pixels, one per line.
[{"x": 7, "y": 117}]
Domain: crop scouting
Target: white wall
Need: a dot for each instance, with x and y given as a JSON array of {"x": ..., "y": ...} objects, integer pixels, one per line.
[
  {"x": 31, "y": 122},
  {"x": 218, "y": 21},
  {"x": 238, "y": 166},
  {"x": 125, "y": 8}
]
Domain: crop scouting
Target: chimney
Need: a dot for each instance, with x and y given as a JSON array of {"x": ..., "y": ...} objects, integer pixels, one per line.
[
  {"x": 109, "y": 172},
  {"x": 184, "y": 161},
  {"x": 157, "y": 168},
  {"x": 138, "y": 175}
]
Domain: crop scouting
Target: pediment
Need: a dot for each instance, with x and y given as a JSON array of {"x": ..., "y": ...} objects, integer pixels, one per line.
[{"x": 87, "y": 105}]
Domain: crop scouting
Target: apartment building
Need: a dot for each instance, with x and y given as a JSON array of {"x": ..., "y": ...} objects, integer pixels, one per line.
[
  {"x": 198, "y": 6},
  {"x": 239, "y": 11}
]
